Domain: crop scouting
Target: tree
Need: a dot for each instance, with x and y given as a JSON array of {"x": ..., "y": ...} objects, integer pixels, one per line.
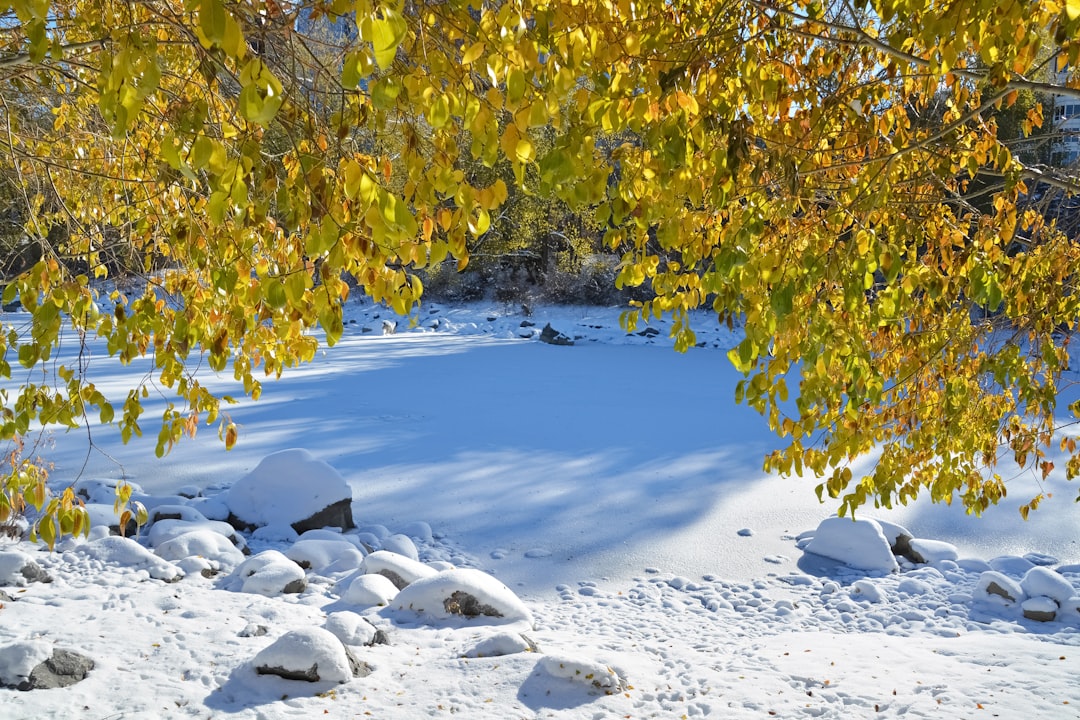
[{"x": 764, "y": 158}]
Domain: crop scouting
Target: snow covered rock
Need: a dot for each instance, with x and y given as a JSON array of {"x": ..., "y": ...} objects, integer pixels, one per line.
[
  {"x": 860, "y": 544},
  {"x": 36, "y": 665},
  {"x": 866, "y": 590},
  {"x": 402, "y": 545},
  {"x": 930, "y": 551},
  {"x": 176, "y": 512},
  {"x": 311, "y": 655},
  {"x": 319, "y": 554},
  {"x": 583, "y": 671},
  {"x": 898, "y": 536},
  {"x": 127, "y": 553},
  {"x": 551, "y": 336},
  {"x": 201, "y": 543},
  {"x": 1011, "y": 565},
  {"x": 369, "y": 590},
  {"x": 1041, "y": 609},
  {"x": 18, "y": 568},
  {"x": 352, "y": 629},
  {"x": 269, "y": 573},
  {"x": 1044, "y": 581},
  {"x": 999, "y": 588},
  {"x": 463, "y": 592},
  {"x": 94, "y": 490},
  {"x": 291, "y": 487},
  {"x": 399, "y": 569},
  {"x": 166, "y": 530},
  {"x": 499, "y": 644}
]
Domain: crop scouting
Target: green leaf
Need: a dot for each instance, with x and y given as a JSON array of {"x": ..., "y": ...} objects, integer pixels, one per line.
[
  {"x": 387, "y": 33},
  {"x": 213, "y": 20}
]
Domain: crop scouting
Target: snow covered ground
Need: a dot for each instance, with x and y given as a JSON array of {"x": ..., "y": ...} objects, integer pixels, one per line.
[{"x": 611, "y": 492}]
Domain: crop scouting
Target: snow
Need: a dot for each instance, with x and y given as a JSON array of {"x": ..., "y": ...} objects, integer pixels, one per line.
[
  {"x": 593, "y": 494},
  {"x": 310, "y": 485},
  {"x": 858, "y": 543},
  {"x": 17, "y": 660}
]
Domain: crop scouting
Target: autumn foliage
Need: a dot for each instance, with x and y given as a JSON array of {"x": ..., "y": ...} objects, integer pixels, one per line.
[{"x": 252, "y": 161}]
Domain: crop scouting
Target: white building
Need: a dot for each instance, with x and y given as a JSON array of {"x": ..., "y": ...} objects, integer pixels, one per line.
[{"x": 1066, "y": 120}]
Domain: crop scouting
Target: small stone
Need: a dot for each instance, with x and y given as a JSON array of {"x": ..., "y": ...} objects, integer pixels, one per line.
[
  {"x": 745, "y": 532},
  {"x": 389, "y": 327},
  {"x": 253, "y": 630}
]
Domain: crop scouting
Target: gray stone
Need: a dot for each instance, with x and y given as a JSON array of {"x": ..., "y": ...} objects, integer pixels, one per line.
[
  {"x": 463, "y": 603},
  {"x": 4, "y": 597},
  {"x": 63, "y": 669},
  {"x": 389, "y": 327},
  {"x": 33, "y": 573},
  {"x": 551, "y": 336},
  {"x": 994, "y": 589},
  {"x": 338, "y": 514}
]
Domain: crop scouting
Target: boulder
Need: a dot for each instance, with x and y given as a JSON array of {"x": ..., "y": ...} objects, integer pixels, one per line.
[
  {"x": 1045, "y": 582},
  {"x": 551, "y": 336},
  {"x": 269, "y": 573},
  {"x": 466, "y": 593},
  {"x": 499, "y": 644},
  {"x": 309, "y": 655},
  {"x": 130, "y": 555},
  {"x": 203, "y": 543},
  {"x": 860, "y": 544},
  {"x": 352, "y": 629},
  {"x": 291, "y": 487},
  {"x": 36, "y": 665},
  {"x": 1040, "y": 609},
  {"x": 930, "y": 551},
  {"x": 399, "y": 569},
  {"x": 18, "y": 568},
  {"x": 999, "y": 588},
  {"x": 369, "y": 591}
]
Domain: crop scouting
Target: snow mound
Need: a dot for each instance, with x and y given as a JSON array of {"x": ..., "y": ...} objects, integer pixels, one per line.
[
  {"x": 464, "y": 592},
  {"x": 269, "y": 573},
  {"x": 18, "y": 568},
  {"x": 399, "y": 569},
  {"x": 860, "y": 544},
  {"x": 932, "y": 551},
  {"x": 352, "y": 629},
  {"x": 402, "y": 545},
  {"x": 1044, "y": 581},
  {"x": 308, "y": 654},
  {"x": 320, "y": 554},
  {"x": 866, "y": 590},
  {"x": 287, "y": 488},
  {"x": 584, "y": 671},
  {"x": 369, "y": 590},
  {"x": 999, "y": 588},
  {"x": 500, "y": 644},
  {"x": 19, "y": 659},
  {"x": 166, "y": 530},
  {"x": 201, "y": 543},
  {"x": 127, "y": 553}
]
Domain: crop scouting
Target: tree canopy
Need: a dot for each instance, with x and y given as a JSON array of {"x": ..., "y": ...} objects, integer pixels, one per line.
[{"x": 828, "y": 174}]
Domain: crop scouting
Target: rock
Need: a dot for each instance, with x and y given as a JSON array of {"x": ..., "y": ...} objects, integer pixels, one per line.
[
  {"x": 551, "y": 336},
  {"x": 165, "y": 530},
  {"x": 1011, "y": 565},
  {"x": 501, "y": 644},
  {"x": 999, "y": 588},
  {"x": 253, "y": 630},
  {"x": 352, "y": 629},
  {"x": 309, "y": 655},
  {"x": 18, "y": 568},
  {"x": 584, "y": 671},
  {"x": 649, "y": 332},
  {"x": 1041, "y": 559},
  {"x": 866, "y": 590},
  {"x": 745, "y": 532},
  {"x": 63, "y": 669},
  {"x": 319, "y": 554},
  {"x": 857, "y": 543},
  {"x": 930, "y": 551},
  {"x": 898, "y": 536},
  {"x": 1041, "y": 609},
  {"x": 369, "y": 591},
  {"x": 419, "y": 531},
  {"x": 389, "y": 327},
  {"x": 5, "y": 598},
  {"x": 176, "y": 512},
  {"x": 204, "y": 543},
  {"x": 402, "y": 545},
  {"x": 130, "y": 555},
  {"x": 527, "y": 324},
  {"x": 463, "y": 592},
  {"x": 399, "y": 569},
  {"x": 291, "y": 487},
  {"x": 269, "y": 573},
  {"x": 1041, "y": 581}
]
